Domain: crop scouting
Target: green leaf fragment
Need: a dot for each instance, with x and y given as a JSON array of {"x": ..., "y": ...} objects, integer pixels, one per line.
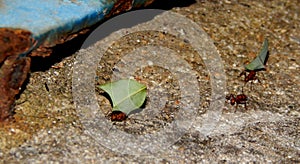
[
  {"x": 126, "y": 95},
  {"x": 260, "y": 60}
]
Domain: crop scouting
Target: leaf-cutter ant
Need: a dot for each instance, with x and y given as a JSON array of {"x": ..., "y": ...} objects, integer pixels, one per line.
[
  {"x": 238, "y": 99},
  {"x": 251, "y": 76},
  {"x": 117, "y": 116}
]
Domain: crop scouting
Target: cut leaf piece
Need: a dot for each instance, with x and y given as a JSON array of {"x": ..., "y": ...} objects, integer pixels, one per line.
[
  {"x": 260, "y": 60},
  {"x": 126, "y": 95}
]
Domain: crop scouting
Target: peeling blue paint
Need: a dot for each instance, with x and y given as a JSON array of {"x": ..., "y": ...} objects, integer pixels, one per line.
[{"x": 49, "y": 19}]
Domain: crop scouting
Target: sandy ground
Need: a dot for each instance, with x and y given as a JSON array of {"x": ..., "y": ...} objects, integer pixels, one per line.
[{"x": 48, "y": 128}]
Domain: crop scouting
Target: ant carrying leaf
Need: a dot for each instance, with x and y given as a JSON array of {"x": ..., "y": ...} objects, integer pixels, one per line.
[
  {"x": 251, "y": 76},
  {"x": 117, "y": 116},
  {"x": 257, "y": 64},
  {"x": 127, "y": 95}
]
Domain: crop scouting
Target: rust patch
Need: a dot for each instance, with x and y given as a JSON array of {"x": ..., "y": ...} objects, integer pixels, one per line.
[
  {"x": 13, "y": 41},
  {"x": 125, "y": 5},
  {"x": 12, "y": 76},
  {"x": 13, "y": 69},
  {"x": 145, "y": 4},
  {"x": 120, "y": 6}
]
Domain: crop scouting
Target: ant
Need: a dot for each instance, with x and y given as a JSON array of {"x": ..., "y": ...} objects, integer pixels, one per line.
[
  {"x": 117, "y": 116},
  {"x": 238, "y": 99},
  {"x": 250, "y": 77}
]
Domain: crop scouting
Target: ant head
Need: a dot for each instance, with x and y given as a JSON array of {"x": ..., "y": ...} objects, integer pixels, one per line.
[
  {"x": 232, "y": 101},
  {"x": 229, "y": 97}
]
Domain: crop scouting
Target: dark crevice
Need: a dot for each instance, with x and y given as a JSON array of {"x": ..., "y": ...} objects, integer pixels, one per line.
[
  {"x": 59, "y": 52},
  {"x": 169, "y": 4}
]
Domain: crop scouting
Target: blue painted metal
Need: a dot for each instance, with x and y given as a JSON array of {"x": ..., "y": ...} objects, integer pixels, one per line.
[{"x": 48, "y": 20}]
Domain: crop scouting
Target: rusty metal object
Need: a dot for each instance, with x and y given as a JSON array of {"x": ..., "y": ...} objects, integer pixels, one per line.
[
  {"x": 125, "y": 5},
  {"x": 120, "y": 6},
  {"x": 18, "y": 45},
  {"x": 13, "y": 41},
  {"x": 13, "y": 68}
]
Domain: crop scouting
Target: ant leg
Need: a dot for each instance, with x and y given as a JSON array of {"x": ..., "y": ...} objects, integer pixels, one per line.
[
  {"x": 236, "y": 107},
  {"x": 258, "y": 80},
  {"x": 242, "y": 73},
  {"x": 124, "y": 124},
  {"x": 252, "y": 81},
  {"x": 251, "y": 84}
]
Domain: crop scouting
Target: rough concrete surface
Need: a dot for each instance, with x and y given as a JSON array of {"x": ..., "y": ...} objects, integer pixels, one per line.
[{"x": 47, "y": 127}]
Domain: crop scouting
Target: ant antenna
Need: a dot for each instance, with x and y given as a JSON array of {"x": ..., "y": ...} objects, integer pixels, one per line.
[{"x": 242, "y": 89}]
